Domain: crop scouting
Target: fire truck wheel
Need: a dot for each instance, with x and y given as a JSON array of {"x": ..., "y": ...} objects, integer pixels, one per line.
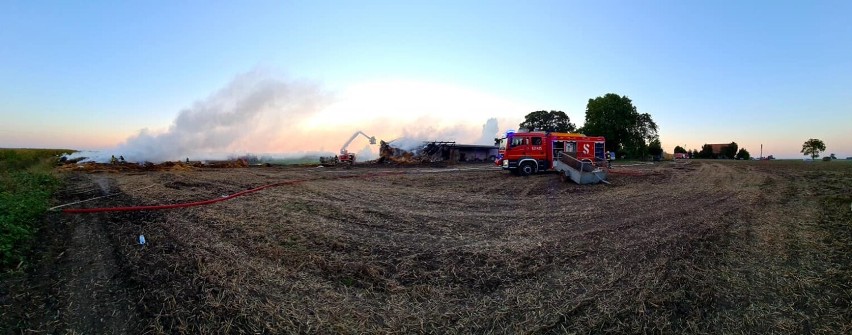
[{"x": 526, "y": 169}]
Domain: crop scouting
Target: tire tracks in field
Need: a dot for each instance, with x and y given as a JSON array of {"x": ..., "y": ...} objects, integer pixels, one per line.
[
  {"x": 462, "y": 251},
  {"x": 78, "y": 286}
]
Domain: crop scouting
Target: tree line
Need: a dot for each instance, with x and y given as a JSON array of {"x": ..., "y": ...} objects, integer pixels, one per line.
[
  {"x": 631, "y": 134},
  {"x": 728, "y": 151}
]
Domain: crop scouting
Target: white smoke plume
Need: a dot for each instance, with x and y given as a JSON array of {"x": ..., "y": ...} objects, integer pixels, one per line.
[
  {"x": 489, "y": 132},
  {"x": 251, "y": 110},
  {"x": 366, "y": 153},
  {"x": 414, "y": 136},
  {"x": 263, "y": 115}
]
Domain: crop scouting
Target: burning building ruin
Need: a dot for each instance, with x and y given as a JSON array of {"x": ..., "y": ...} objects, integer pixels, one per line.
[{"x": 436, "y": 151}]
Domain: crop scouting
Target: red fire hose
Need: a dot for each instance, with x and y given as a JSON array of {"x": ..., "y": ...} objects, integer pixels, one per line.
[{"x": 207, "y": 202}]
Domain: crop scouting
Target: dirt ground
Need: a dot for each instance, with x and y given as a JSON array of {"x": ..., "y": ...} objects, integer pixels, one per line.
[{"x": 692, "y": 246}]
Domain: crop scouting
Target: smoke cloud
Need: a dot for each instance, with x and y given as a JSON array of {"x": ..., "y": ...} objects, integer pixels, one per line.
[
  {"x": 257, "y": 113},
  {"x": 414, "y": 136},
  {"x": 489, "y": 132},
  {"x": 252, "y": 110}
]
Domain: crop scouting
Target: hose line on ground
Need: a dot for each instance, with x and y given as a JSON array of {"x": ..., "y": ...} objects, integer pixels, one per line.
[{"x": 207, "y": 202}]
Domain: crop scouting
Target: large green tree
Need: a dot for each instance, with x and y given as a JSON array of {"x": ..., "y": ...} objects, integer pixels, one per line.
[
  {"x": 729, "y": 151},
  {"x": 743, "y": 154},
  {"x": 813, "y": 147},
  {"x": 655, "y": 148},
  {"x": 706, "y": 152},
  {"x": 626, "y": 130},
  {"x": 679, "y": 150},
  {"x": 556, "y": 121}
]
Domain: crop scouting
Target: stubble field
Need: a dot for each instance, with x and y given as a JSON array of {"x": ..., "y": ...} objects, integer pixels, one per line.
[{"x": 694, "y": 246}]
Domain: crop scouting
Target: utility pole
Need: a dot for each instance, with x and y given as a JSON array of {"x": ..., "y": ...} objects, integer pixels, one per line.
[{"x": 761, "y": 151}]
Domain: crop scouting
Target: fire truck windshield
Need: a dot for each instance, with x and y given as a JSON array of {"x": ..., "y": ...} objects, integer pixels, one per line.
[
  {"x": 516, "y": 141},
  {"x": 503, "y": 143}
]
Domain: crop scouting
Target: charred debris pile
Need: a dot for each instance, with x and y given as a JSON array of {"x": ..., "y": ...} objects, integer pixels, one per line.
[
  {"x": 148, "y": 166},
  {"x": 436, "y": 152}
]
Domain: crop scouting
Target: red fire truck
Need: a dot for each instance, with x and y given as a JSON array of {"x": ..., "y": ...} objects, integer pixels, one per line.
[{"x": 526, "y": 153}]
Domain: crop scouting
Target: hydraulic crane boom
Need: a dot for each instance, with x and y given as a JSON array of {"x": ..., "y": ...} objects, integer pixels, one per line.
[
  {"x": 345, "y": 158},
  {"x": 345, "y": 145}
]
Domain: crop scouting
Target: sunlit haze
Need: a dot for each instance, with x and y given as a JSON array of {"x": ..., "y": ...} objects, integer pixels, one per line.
[{"x": 168, "y": 79}]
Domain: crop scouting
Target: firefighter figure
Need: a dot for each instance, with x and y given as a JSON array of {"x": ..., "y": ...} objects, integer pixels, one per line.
[{"x": 609, "y": 156}]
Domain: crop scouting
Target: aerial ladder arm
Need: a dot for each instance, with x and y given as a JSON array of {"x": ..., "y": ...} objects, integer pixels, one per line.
[{"x": 345, "y": 145}]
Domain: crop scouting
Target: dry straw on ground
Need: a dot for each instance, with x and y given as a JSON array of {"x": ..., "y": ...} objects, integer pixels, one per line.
[{"x": 699, "y": 247}]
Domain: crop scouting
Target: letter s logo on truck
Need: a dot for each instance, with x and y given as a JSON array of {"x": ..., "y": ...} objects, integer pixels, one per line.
[{"x": 586, "y": 148}]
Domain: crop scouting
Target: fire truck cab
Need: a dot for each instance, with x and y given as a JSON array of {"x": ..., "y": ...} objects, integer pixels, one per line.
[{"x": 526, "y": 153}]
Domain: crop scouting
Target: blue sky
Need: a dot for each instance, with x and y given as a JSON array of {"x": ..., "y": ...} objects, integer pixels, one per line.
[{"x": 88, "y": 75}]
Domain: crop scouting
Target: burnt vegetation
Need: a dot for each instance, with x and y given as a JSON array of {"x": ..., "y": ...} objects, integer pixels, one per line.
[{"x": 696, "y": 246}]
